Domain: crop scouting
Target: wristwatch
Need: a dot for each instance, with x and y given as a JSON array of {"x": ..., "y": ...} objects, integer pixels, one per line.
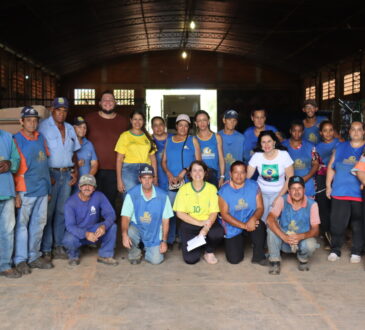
[{"x": 163, "y": 241}]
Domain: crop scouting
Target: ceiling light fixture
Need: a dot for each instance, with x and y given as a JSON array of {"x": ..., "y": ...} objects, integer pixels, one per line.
[
  {"x": 184, "y": 54},
  {"x": 192, "y": 25}
]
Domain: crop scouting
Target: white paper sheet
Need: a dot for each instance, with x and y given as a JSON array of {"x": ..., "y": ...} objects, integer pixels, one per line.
[{"x": 196, "y": 242}]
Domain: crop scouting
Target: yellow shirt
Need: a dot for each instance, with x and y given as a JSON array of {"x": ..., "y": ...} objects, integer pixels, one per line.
[
  {"x": 200, "y": 204},
  {"x": 135, "y": 148}
]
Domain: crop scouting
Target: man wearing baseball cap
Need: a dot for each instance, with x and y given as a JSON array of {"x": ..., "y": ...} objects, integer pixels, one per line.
[
  {"x": 33, "y": 186},
  {"x": 89, "y": 219},
  {"x": 145, "y": 218},
  {"x": 233, "y": 141},
  {"x": 293, "y": 224},
  {"x": 63, "y": 144}
]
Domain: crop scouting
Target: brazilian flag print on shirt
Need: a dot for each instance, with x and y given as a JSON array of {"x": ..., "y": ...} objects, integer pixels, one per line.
[{"x": 270, "y": 172}]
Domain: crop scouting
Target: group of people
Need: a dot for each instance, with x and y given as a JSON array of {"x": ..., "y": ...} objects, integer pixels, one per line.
[{"x": 208, "y": 188}]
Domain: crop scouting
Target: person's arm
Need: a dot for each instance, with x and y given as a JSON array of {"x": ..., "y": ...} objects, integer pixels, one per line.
[
  {"x": 208, "y": 224},
  {"x": 198, "y": 154},
  {"x": 94, "y": 166},
  {"x": 253, "y": 222},
  {"x": 250, "y": 171},
  {"x": 71, "y": 223},
  {"x": 107, "y": 212},
  {"x": 14, "y": 158},
  {"x": 227, "y": 217},
  {"x": 165, "y": 232},
  {"x": 127, "y": 243},
  {"x": 170, "y": 176},
  {"x": 222, "y": 163},
  {"x": 330, "y": 175},
  {"x": 313, "y": 171},
  {"x": 361, "y": 176},
  {"x": 75, "y": 170},
  {"x": 273, "y": 224},
  {"x": 154, "y": 165},
  {"x": 289, "y": 172},
  {"x": 119, "y": 166},
  {"x": 189, "y": 219}
]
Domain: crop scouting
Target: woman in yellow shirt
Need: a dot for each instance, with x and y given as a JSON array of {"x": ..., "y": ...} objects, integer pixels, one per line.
[
  {"x": 134, "y": 147},
  {"x": 196, "y": 204}
]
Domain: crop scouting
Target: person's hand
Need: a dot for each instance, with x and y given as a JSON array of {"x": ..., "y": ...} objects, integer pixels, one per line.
[
  {"x": 81, "y": 162},
  {"x": 53, "y": 181},
  {"x": 100, "y": 231},
  {"x": 220, "y": 182},
  {"x": 294, "y": 239},
  {"x": 5, "y": 166},
  {"x": 328, "y": 192},
  {"x": 127, "y": 243},
  {"x": 163, "y": 247},
  {"x": 73, "y": 180},
  {"x": 206, "y": 227},
  {"x": 170, "y": 177},
  {"x": 121, "y": 187},
  {"x": 49, "y": 197},
  {"x": 91, "y": 236},
  {"x": 18, "y": 201},
  {"x": 251, "y": 224}
]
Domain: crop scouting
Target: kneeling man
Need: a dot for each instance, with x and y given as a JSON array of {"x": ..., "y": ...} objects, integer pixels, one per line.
[
  {"x": 89, "y": 219},
  {"x": 293, "y": 224},
  {"x": 145, "y": 219}
]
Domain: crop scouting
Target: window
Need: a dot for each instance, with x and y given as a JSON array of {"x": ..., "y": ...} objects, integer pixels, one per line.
[
  {"x": 84, "y": 96},
  {"x": 328, "y": 89},
  {"x": 310, "y": 93},
  {"x": 124, "y": 96},
  {"x": 351, "y": 83}
]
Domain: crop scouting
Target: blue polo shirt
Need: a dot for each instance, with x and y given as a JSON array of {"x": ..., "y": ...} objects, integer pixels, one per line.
[
  {"x": 87, "y": 154},
  {"x": 60, "y": 153}
]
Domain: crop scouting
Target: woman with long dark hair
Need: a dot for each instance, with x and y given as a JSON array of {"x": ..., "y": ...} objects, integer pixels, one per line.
[
  {"x": 134, "y": 147},
  {"x": 274, "y": 166}
]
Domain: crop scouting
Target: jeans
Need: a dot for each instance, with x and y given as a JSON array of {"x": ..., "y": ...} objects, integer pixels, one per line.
[
  {"x": 152, "y": 255},
  {"x": 55, "y": 227},
  {"x": 30, "y": 222},
  {"x": 324, "y": 204},
  {"x": 306, "y": 247},
  {"x": 106, "y": 181},
  {"x": 268, "y": 199},
  {"x": 172, "y": 224},
  {"x": 7, "y": 223},
  {"x": 106, "y": 250},
  {"x": 130, "y": 174}
]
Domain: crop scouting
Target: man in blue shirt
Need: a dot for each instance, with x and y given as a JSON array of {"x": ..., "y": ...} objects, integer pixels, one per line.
[
  {"x": 9, "y": 163},
  {"x": 258, "y": 117},
  {"x": 89, "y": 219},
  {"x": 145, "y": 218},
  {"x": 62, "y": 143},
  {"x": 311, "y": 122},
  {"x": 233, "y": 141}
]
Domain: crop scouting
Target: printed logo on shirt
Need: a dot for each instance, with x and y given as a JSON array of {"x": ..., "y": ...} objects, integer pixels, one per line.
[
  {"x": 2, "y": 158},
  {"x": 229, "y": 159},
  {"x": 350, "y": 160},
  {"x": 312, "y": 137},
  {"x": 299, "y": 164},
  {"x": 186, "y": 147},
  {"x": 41, "y": 156},
  {"x": 270, "y": 173},
  {"x": 146, "y": 218},
  {"x": 241, "y": 204},
  {"x": 207, "y": 153},
  {"x": 92, "y": 210},
  {"x": 292, "y": 227}
]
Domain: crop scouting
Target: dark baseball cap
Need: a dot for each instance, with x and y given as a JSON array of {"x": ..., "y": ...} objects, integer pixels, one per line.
[
  {"x": 145, "y": 169},
  {"x": 79, "y": 121},
  {"x": 230, "y": 114},
  {"x": 60, "y": 102},
  {"x": 29, "y": 112},
  {"x": 296, "y": 179}
]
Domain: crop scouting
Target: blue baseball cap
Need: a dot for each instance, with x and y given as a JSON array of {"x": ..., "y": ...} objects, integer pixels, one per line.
[
  {"x": 296, "y": 179},
  {"x": 230, "y": 114},
  {"x": 29, "y": 112},
  {"x": 60, "y": 102}
]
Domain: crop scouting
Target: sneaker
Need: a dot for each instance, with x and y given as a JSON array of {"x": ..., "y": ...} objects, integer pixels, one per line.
[
  {"x": 303, "y": 266},
  {"x": 74, "y": 262},
  {"x": 333, "y": 257},
  {"x": 47, "y": 256},
  {"x": 263, "y": 262},
  {"x": 59, "y": 253},
  {"x": 355, "y": 259},
  {"x": 108, "y": 261},
  {"x": 274, "y": 268},
  {"x": 135, "y": 261},
  {"x": 23, "y": 268},
  {"x": 41, "y": 263},
  {"x": 210, "y": 258},
  {"x": 11, "y": 273}
]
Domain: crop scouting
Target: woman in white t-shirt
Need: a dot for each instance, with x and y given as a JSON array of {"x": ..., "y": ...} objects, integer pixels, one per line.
[{"x": 274, "y": 166}]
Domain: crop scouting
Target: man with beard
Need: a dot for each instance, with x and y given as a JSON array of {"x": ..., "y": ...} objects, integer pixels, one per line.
[
  {"x": 105, "y": 127},
  {"x": 311, "y": 122}
]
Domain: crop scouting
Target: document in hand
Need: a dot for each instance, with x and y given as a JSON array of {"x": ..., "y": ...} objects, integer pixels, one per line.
[{"x": 196, "y": 242}]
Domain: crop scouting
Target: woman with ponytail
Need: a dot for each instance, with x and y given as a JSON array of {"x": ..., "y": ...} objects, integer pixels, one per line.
[{"x": 134, "y": 147}]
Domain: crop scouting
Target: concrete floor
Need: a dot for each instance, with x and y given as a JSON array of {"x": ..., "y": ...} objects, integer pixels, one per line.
[{"x": 174, "y": 295}]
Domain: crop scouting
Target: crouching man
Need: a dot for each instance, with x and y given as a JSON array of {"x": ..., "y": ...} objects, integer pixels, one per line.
[
  {"x": 89, "y": 219},
  {"x": 293, "y": 224},
  {"x": 145, "y": 218}
]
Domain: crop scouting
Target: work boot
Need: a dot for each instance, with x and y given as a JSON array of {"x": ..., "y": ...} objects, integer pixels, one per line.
[
  {"x": 303, "y": 266},
  {"x": 11, "y": 273},
  {"x": 108, "y": 261},
  {"x": 41, "y": 263},
  {"x": 47, "y": 256},
  {"x": 263, "y": 262},
  {"x": 135, "y": 261},
  {"x": 23, "y": 268},
  {"x": 59, "y": 253},
  {"x": 274, "y": 268}
]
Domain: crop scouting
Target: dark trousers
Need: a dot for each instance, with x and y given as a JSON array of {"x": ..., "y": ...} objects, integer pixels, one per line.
[
  {"x": 235, "y": 246},
  {"x": 188, "y": 231},
  {"x": 106, "y": 181},
  {"x": 342, "y": 213},
  {"x": 324, "y": 204}
]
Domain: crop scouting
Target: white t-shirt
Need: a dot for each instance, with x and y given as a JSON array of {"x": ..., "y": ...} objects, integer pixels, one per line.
[{"x": 272, "y": 171}]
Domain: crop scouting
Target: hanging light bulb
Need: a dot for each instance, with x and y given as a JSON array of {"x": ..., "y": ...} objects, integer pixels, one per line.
[
  {"x": 184, "y": 54},
  {"x": 192, "y": 25}
]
